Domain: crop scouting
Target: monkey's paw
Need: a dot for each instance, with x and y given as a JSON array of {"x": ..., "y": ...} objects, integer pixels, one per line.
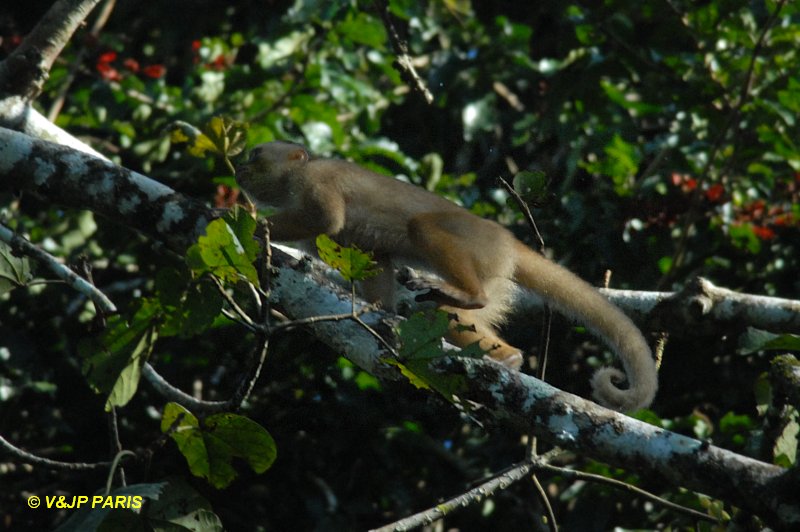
[
  {"x": 513, "y": 361},
  {"x": 436, "y": 290}
]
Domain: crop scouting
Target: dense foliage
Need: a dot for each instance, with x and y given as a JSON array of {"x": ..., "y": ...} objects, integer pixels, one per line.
[{"x": 666, "y": 131}]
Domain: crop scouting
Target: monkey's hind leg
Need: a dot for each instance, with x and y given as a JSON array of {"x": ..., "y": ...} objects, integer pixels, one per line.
[
  {"x": 450, "y": 255},
  {"x": 469, "y": 327}
]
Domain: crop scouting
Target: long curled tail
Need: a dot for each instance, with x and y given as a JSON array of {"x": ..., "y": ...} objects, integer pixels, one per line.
[{"x": 575, "y": 298}]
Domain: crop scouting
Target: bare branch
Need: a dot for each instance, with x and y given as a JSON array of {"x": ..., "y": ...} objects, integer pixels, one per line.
[
  {"x": 24, "y": 72},
  {"x": 403, "y": 63},
  {"x": 72, "y": 279},
  {"x": 709, "y": 308},
  {"x": 46, "y": 462},
  {"x": 176, "y": 395},
  {"x": 700, "y": 309},
  {"x": 502, "y": 481},
  {"x": 99, "y": 23}
]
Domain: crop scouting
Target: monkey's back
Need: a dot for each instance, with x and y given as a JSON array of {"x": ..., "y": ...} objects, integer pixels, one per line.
[{"x": 378, "y": 208}]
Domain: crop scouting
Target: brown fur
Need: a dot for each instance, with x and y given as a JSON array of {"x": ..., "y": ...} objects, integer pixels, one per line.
[{"x": 476, "y": 259}]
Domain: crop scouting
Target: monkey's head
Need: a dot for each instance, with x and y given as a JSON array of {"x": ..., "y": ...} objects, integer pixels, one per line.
[{"x": 266, "y": 173}]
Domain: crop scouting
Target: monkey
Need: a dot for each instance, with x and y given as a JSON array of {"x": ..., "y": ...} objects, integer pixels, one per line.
[{"x": 476, "y": 261}]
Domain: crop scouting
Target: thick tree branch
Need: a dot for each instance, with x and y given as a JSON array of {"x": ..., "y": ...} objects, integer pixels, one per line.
[
  {"x": 587, "y": 428},
  {"x": 24, "y": 72},
  {"x": 700, "y": 309},
  {"x": 79, "y": 180}
]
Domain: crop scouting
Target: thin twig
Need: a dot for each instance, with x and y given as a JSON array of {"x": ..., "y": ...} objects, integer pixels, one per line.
[
  {"x": 46, "y": 462},
  {"x": 403, "y": 63},
  {"x": 114, "y": 464},
  {"x": 526, "y": 211},
  {"x": 580, "y": 475},
  {"x": 72, "y": 279},
  {"x": 247, "y": 384},
  {"x": 116, "y": 447},
  {"x": 552, "y": 524},
  {"x": 243, "y": 316},
  {"x": 235, "y": 318},
  {"x": 171, "y": 393},
  {"x": 547, "y": 320},
  {"x": 485, "y": 489}
]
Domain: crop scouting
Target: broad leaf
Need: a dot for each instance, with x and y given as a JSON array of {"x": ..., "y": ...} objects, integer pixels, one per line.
[
  {"x": 351, "y": 262},
  {"x": 221, "y": 253},
  {"x": 211, "y": 445},
  {"x": 14, "y": 271},
  {"x": 113, "y": 363}
]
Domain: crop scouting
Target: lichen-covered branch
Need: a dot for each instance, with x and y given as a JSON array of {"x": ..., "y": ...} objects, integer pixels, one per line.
[
  {"x": 587, "y": 428},
  {"x": 75, "y": 179},
  {"x": 707, "y": 308}
]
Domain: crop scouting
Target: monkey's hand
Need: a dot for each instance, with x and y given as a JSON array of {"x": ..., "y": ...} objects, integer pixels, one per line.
[{"x": 438, "y": 291}]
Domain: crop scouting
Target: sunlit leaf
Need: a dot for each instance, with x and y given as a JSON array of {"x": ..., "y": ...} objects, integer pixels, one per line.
[
  {"x": 211, "y": 445},
  {"x": 352, "y": 263},
  {"x": 221, "y": 253}
]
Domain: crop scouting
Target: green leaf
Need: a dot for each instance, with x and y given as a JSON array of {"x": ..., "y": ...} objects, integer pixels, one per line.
[
  {"x": 244, "y": 227},
  {"x": 210, "y": 447},
  {"x": 188, "y": 307},
  {"x": 180, "y": 505},
  {"x": 170, "y": 505},
  {"x": 228, "y": 136},
  {"x": 754, "y": 340},
  {"x": 763, "y": 393},
  {"x": 352, "y": 263},
  {"x": 732, "y": 423},
  {"x": 180, "y": 132},
  {"x": 743, "y": 237},
  {"x": 363, "y": 29},
  {"x": 421, "y": 335},
  {"x": 622, "y": 163},
  {"x": 199, "y": 306},
  {"x": 221, "y": 136},
  {"x": 628, "y": 100},
  {"x": 105, "y": 517},
  {"x": 785, "y": 448},
  {"x": 14, "y": 271},
  {"x": 112, "y": 363},
  {"x": 531, "y": 186},
  {"x": 421, "y": 342},
  {"x": 365, "y": 381},
  {"x": 415, "y": 380},
  {"x": 221, "y": 253}
]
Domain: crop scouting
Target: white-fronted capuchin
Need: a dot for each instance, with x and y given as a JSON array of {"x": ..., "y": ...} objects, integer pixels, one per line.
[{"x": 476, "y": 259}]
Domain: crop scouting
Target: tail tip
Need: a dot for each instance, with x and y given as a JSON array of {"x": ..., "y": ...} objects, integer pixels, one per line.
[{"x": 607, "y": 392}]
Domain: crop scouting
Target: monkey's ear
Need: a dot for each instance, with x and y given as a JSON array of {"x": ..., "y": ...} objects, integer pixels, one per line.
[{"x": 299, "y": 154}]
